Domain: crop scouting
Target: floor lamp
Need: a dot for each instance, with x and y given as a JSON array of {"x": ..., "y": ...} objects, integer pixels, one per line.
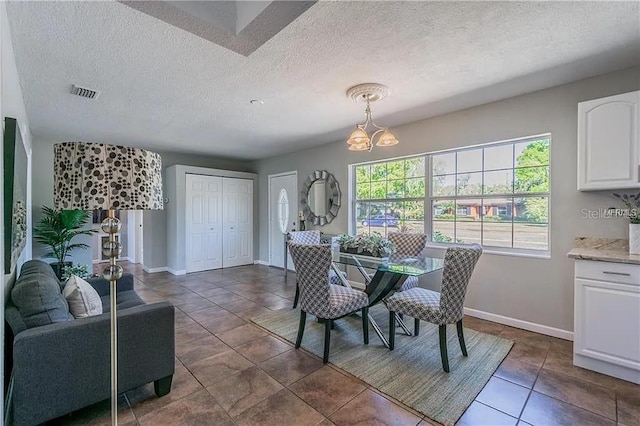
[{"x": 95, "y": 176}]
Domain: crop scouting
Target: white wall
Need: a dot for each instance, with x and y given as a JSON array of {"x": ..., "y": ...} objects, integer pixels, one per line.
[
  {"x": 11, "y": 105},
  {"x": 534, "y": 290}
]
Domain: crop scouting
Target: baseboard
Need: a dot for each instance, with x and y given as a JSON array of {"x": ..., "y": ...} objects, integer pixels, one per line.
[
  {"x": 525, "y": 325},
  {"x": 154, "y": 270},
  {"x": 261, "y": 262},
  {"x": 177, "y": 272},
  {"x": 619, "y": 371}
]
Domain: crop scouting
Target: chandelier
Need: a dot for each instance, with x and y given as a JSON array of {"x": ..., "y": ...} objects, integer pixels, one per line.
[{"x": 381, "y": 136}]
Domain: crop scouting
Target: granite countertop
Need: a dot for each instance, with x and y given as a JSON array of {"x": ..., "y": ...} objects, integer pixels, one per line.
[{"x": 603, "y": 250}]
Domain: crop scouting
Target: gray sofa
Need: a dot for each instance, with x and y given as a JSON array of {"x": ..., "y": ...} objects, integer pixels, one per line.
[{"x": 62, "y": 364}]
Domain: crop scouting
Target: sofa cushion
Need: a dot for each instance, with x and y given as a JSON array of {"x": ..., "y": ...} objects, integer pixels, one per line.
[
  {"x": 124, "y": 300},
  {"x": 37, "y": 295},
  {"x": 83, "y": 299},
  {"x": 38, "y": 266}
]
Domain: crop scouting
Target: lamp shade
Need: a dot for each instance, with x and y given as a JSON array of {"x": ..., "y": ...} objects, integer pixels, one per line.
[
  {"x": 359, "y": 147},
  {"x": 387, "y": 139},
  {"x": 96, "y": 176},
  {"x": 358, "y": 137}
]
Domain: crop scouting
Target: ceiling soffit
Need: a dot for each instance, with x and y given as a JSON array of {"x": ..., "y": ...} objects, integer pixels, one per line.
[{"x": 269, "y": 22}]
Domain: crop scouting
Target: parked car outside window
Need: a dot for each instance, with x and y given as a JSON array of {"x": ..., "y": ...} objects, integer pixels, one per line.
[{"x": 381, "y": 220}]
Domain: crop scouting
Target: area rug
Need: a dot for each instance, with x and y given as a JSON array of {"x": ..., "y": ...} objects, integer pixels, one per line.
[{"x": 412, "y": 373}]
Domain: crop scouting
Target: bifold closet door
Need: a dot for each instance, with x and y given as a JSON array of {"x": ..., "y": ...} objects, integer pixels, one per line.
[
  {"x": 204, "y": 225},
  {"x": 237, "y": 218}
]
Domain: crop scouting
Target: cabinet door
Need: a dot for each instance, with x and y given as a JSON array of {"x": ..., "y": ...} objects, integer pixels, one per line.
[
  {"x": 607, "y": 322},
  {"x": 608, "y": 144}
]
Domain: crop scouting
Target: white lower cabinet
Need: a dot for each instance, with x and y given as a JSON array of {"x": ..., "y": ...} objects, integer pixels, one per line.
[{"x": 607, "y": 318}]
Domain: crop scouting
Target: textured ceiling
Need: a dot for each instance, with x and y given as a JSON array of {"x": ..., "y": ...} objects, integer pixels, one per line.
[
  {"x": 165, "y": 88},
  {"x": 242, "y": 26}
]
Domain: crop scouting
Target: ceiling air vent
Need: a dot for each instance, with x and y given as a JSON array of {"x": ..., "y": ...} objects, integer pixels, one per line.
[{"x": 84, "y": 92}]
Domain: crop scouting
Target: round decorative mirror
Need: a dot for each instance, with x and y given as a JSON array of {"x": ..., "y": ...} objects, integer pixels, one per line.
[{"x": 320, "y": 197}]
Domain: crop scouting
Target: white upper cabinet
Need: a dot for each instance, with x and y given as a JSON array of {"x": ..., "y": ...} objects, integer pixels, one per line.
[{"x": 608, "y": 143}]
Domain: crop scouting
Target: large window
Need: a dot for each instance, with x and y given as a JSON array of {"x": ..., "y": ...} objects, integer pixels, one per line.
[
  {"x": 496, "y": 195},
  {"x": 390, "y": 196}
]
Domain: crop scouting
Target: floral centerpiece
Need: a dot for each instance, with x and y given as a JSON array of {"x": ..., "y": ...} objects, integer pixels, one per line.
[
  {"x": 632, "y": 202},
  {"x": 374, "y": 245},
  {"x": 81, "y": 271}
]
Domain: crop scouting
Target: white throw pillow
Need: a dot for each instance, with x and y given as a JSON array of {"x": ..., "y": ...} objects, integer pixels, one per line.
[{"x": 83, "y": 299}]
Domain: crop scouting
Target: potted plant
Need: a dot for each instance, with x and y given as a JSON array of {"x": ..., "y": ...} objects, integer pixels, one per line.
[
  {"x": 374, "y": 245},
  {"x": 632, "y": 202},
  {"x": 57, "y": 229},
  {"x": 81, "y": 271}
]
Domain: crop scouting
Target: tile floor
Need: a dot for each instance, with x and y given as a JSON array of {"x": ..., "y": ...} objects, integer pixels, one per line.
[{"x": 230, "y": 372}]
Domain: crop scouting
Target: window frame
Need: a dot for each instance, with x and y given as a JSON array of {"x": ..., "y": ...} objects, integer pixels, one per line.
[
  {"x": 429, "y": 197},
  {"x": 353, "y": 226}
]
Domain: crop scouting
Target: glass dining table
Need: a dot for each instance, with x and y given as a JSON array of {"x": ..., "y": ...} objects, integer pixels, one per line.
[{"x": 390, "y": 273}]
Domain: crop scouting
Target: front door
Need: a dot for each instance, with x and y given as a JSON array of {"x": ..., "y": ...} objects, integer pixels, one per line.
[{"x": 288, "y": 182}]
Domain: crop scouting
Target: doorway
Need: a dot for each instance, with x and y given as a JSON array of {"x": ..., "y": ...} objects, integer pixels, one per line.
[
  {"x": 279, "y": 209},
  {"x": 134, "y": 236}
]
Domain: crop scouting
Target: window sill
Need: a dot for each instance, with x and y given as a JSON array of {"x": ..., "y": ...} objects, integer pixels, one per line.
[{"x": 496, "y": 251}]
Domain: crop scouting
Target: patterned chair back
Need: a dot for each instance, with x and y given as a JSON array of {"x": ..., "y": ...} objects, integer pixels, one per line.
[
  {"x": 459, "y": 263},
  {"x": 305, "y": 237},
  {"x": 312, "y": 263},
  {"x": 408, "y": 244}
]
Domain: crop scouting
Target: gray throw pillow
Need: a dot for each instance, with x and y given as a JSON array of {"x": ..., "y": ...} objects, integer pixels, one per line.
[{"x": 39, "y": 300}]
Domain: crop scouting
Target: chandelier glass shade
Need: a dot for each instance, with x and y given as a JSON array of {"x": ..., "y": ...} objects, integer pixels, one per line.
[
  {"x": 360, "y": 147},
  {"x": 358, "y": 137},
  {"x": 387, "y": 139},
  {"x": 359, "y": 140}
]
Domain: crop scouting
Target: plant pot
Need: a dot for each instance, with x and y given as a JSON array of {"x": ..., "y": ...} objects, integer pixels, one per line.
[
  {"x": 634, "y": 238},
  {"x": 59, "y": 268},
  {"x": 355, "y": 251}
]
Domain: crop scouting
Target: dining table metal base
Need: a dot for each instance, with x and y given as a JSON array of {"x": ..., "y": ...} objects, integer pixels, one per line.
[{"x": 382, "y": 284}]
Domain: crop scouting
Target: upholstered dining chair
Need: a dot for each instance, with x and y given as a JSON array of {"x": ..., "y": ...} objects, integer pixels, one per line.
[
  {"x": 408, "y": 245},
  {"x": 305, "y": 237},
  {"x": 318, "y": 297},
  {"x": 441, "y": 308},
  {"x": 309, "y": 237}
]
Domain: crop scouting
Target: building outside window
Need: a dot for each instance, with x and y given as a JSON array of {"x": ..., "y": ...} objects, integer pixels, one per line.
[{"x": 496, "y": 195}]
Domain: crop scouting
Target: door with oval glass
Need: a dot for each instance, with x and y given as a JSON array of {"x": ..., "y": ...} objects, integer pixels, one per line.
[{"x": 283, "y": 214}]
